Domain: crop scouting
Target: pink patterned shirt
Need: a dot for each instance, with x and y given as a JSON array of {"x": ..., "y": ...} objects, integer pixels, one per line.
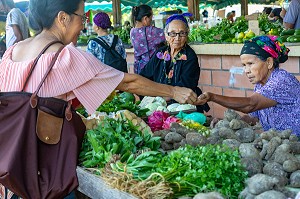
[{"x": 75, "y": 74}]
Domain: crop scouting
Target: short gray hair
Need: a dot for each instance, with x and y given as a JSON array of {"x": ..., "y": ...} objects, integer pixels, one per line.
[{"x": 167, "y": 27}]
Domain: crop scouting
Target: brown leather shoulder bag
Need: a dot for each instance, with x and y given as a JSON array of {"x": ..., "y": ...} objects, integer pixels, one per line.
[{"x": 40, "y": 139}]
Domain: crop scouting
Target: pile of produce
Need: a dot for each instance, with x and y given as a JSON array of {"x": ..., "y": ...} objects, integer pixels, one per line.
[
  {"x": 237, "y": 32},
  {"x": 179, "y": 156}
]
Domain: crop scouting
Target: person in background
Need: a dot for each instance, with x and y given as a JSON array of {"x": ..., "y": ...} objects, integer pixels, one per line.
[
  {"x": 275, "y": 15},
  {"x": 177, "y": 63},
  {"x": 145, "y": 39},
  {"x": 267, "y": 10},
  {"x": 230, "y": 16},
  {"x": 127, "y": 25},
  {"x": 291, "y": 17},
  {"x": 101, "y": 25},
  {"x": 276, "y": 98},
  {"x": 205, "y": 16},
  {"x": 76, "y": 73},
  {"x": 17, "y": 28}
]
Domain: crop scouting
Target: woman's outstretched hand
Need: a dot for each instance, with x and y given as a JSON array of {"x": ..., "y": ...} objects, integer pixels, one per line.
[
  {"x": 202, "y": 99},
  {"x": 184, "y": 95}
]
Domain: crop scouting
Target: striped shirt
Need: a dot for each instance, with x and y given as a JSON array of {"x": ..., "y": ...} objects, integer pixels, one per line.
[{"x": 75, "y": 74}]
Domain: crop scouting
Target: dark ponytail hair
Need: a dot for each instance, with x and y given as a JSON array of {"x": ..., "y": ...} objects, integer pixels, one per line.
[
  {"x": 42, "y": 13},
  {"x": 138, "y": 12}
]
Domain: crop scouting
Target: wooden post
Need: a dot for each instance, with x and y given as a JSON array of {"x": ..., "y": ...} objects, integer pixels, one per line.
[
  {"x": 117, "y": 14},
  {"x": 244, "y": 7},
  {"x": 193, "y": 7}
]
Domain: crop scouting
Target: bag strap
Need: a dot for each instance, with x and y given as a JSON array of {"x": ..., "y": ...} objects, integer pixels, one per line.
[
  {"x": 34, "y": 98},
  {"x": 115, "y": 41},
  {"x": 36, "y": 60},
  {"x": 102, "y": 43}
]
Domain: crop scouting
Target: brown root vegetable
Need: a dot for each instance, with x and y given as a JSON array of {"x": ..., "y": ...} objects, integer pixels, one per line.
[
  {"x": 252, "y": 165},
  {"x": 161, "y": 133},
  {"x": 285, "y": 134},
  {"x": 195, "y": 139},
  {"x": 232, "y": 143},
  {"x": 227, "y": 133},
  {"x": 272, "y": 194},
  {"x": 245, "y": 135},
  {"x": 248, "y": 150},
  {"x": 230, "y": 114},
  {"x": 210, "y": 195},
  {"x": 237, "y": 124},
  {"x": 295, "y": 179},
  {"x": 214, "y": 140},
  {"x": 166, "y": 146},
  {"x": 176, "y": 145},
  {"x": 268, "y": 135},
  {"x": 222, "y": 123},
  {"x": 274, "y": 169},
  {"x": 246, "y": 195},
  {"x": 263, "y": 152},
  {"x": 257, "y": 143},
  {"x": 293, "y": 138},
  {"x": 295, "y": 147},
  {"x": 291, "y": 165},
  {"x": 173, "y": 137},
  {"x": 177, "y": 128},
  {"x": 183, "y": 142},
  {"x": 260, "y": 183},
  {"x": 272, "y": 146}
]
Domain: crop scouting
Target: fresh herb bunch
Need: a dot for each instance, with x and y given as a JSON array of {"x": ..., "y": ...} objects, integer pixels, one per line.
[
  {"x": 266, "y": 25},
  {"x": 114, "y": 137},
  {"x": 207, "y": 168},
  {"x": 118, "y": 103},
  {"x": 124, "y": 34}
]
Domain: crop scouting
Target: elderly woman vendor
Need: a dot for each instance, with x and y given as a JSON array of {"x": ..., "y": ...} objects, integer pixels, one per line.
[
  {"x": 276, "y": 98},
  {"x": 175, "y": 64}
]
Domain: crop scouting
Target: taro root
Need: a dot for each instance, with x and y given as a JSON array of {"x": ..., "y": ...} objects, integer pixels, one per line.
[
  {"x": 248, "y": 150},
  {"x": 252, "y": 165},
  {"x": 272, "y": 194},
  {"x": 161, "y": 133},
  {"x": 232, "y": 143},
  {"x": 295, "y": 147},
  {"x": 176, "y": 145},
  {"x": 291, "y": 165},
  {"x": 245, "y": 135},
  {"x": 173, "y": 137},
  {"x": 268, "y": 135},
  {"x": 177, "y": 128},
  {"x": 274, "y": 169},
  {"x": 227, "y": 133},
  {"x": 183, "y": 142},
  {"x": 258, "y": 143},
  {"x": 293, "y": 138},
  {"x": 295, "y": 179},
  {"x": 260, "y": 183},
  {"x": 214, "y": 140},
  {"x": 195, "y": 139},
  {"x": 230, "y": 114},
  {"x": 222, "y": 123},
  {"x": 246, "y": 195},
  {"x": 237, "y": 124},
  {"x": 272, "y": 146},
  {"x": 210, "y": 195},
  {"x": 285, "y": 134},
  {"x": 166, "y": 146}
]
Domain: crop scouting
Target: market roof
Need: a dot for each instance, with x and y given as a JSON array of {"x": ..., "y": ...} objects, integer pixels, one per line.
[{"x": 156, "y": 3}]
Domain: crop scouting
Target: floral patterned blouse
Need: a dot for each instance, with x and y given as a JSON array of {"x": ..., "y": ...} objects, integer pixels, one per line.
[
  {"x": 284, "y": 88},
  {"x": 145, "y": 46},
  {"x": 98, "y": 51}
]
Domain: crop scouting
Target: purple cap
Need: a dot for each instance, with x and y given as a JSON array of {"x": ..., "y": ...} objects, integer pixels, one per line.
[{"x": 102, "y": 20}]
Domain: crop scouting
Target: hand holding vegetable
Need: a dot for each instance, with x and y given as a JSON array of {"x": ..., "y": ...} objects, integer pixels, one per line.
[{"x": 184, "y": 95}]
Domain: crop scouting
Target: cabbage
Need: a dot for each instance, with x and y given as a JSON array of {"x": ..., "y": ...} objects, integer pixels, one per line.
[
  {"x": 183, "y": 107},
  {"x": 156, "y": 120},
  {"x": 152, "y": 107},
  {"x": 160, "y": 100},
  {"x": 172, "y": 107},
  {"x": 162, "y": 108},
  {"x": 169, "y": 121}
]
